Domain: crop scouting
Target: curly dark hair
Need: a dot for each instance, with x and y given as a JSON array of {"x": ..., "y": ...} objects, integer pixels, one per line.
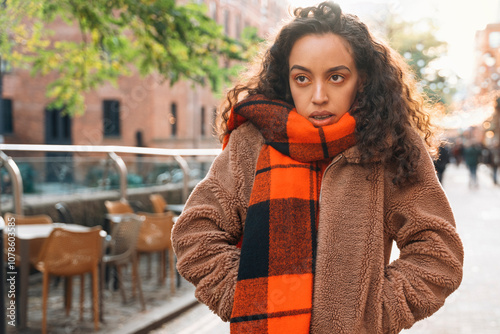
[{"x": 387, "y": 106}]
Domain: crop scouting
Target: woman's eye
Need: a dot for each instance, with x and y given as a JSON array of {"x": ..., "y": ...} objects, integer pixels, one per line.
[
  {"x": 337, "y": 78},
  {"x": 301, "y": 79}
]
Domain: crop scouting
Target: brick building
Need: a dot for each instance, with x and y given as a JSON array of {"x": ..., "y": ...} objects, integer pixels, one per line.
[
  {"x": 139, "y": 111},
  {"x": 488, "y": 58},
  {"x": 487, "y": 78}
]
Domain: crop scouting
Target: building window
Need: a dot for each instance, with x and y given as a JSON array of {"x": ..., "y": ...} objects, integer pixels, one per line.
[
  {"x": 111, "y": 118},
  {"x": 238, "y": 26},
  {"x": 7, "y": 123},
  {"x": 226, "y": 22},
  {"x": 55, "y": 118},
  {"x": 202, "y": 121},
  {"x": 57, "y": 127},
  {"x": 213, "y": 10},
  {"x": 173, "y": 120}
]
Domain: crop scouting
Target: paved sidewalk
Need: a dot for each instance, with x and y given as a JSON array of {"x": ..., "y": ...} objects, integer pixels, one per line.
[{"x": 119, "y": 318}]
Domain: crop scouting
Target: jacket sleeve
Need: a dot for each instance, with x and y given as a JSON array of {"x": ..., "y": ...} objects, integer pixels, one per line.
[
  {"x": 429, "y": 268},
  {"x": 205, "y": 235}
]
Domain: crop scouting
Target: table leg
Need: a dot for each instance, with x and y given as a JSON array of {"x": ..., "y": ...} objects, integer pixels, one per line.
[
  {"x": 24, "y": 271},
  {"x": 102, "y": 267}
]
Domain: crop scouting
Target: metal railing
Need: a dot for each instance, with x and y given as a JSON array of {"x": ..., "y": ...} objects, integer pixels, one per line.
[
  {"x": 112, "y": 152},
  {"x": 15, "y": 174}
]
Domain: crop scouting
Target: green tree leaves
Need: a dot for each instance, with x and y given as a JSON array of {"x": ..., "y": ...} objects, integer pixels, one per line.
[
  {"x": 417, "y": 42},
  {"x": 116, "y": 38}
]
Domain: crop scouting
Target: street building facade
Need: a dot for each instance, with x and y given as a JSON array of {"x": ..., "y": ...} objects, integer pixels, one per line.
[{"x": 487, "y": 78}]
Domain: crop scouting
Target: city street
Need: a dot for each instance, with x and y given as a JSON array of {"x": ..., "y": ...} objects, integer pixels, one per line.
[{"x": 473, "y": 308}]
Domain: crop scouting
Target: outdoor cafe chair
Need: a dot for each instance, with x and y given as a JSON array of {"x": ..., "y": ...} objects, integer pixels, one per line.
[
  {"x": 64, "y": 213},
  {"x": 121, "y": 206},
  {"x": 69, "y": 253},
  {"x": 122, "y": 251},
  {"x": 161, "y": 206},
  {"x": 159, "y": 203},
  {"x": 35, "y": 244},
  {"x": 154, "y": 236}
]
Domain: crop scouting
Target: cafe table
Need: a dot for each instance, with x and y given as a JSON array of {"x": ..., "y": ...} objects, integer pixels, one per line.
[{"x": 24, "y": 234}]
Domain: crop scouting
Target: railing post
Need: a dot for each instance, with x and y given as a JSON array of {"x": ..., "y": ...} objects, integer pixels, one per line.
[
  {"x": 17, "y": 181},
  {"x": 185, "y": 169},
  {"x": 122, "y": 169}
]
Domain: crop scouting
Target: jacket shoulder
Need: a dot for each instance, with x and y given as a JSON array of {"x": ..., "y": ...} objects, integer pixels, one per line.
[
  {"x": 244, "y": 143},
  {"x": 246, "y": 133}
]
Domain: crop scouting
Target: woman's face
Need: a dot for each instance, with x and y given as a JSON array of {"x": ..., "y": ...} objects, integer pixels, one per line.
[{"x": 323, "y": 78}]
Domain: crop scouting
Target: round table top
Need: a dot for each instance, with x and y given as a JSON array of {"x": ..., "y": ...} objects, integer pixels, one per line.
[{"x": 34, "y": 231}]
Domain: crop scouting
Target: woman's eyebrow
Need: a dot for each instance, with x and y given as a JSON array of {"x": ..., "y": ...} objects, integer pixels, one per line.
[
  {"x": 338, "y": 68},
  {"x": 298, "y": 67},
  {"x": 333, "y": 69}
]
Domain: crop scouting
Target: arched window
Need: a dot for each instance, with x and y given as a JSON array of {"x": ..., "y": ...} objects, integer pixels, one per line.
[
  {"x": 227, "y": 29},
  {"x": 213, "y": 10}
]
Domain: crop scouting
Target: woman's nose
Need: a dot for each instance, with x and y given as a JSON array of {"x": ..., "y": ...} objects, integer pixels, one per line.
[{"x": 319, "y": 95}]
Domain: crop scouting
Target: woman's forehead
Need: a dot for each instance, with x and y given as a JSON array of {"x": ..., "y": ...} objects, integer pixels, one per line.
[{"x": 323, "y": 48}]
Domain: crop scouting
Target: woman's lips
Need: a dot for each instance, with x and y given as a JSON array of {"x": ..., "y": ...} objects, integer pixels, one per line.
[{"x": 321, "y": 118}]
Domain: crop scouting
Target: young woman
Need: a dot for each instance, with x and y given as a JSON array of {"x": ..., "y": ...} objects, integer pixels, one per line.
[{"x": 323, "y": 168}]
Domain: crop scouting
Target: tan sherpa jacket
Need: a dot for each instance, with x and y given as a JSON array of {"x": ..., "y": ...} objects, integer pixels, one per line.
[{"x": 356, "y": 290}]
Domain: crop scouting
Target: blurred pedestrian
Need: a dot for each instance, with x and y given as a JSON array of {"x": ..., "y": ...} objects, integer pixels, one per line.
[
  {"x": 322, "y": 169},
  {"x": 441, "y": 161},
  {"x": 458, "y": 151},
  {"x": 493, "y": 161},
  {"x": 472, "y": 155}
]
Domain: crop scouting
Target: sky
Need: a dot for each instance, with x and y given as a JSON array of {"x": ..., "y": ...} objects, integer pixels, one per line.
[{"x": 458, "y": 21}]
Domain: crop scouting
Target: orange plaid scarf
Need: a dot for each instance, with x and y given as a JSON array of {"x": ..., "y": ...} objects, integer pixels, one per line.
[{"x": 276, "y": 272}]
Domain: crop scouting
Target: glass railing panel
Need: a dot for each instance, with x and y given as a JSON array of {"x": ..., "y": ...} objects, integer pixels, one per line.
[
  {"x": 60, "y": 175},
  {"x": 144, "y": 171},
  {"x": 52, "y": 175},
  {"x": 70, "y": 174}
]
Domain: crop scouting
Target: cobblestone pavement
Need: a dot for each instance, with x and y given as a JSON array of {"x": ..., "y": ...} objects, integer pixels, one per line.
[
  {"x": 474, "y": 308},
  {"x": 118, "y": 317}
]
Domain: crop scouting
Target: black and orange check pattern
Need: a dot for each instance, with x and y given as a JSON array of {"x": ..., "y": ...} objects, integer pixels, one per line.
[{"x": 275, "y": 278}]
